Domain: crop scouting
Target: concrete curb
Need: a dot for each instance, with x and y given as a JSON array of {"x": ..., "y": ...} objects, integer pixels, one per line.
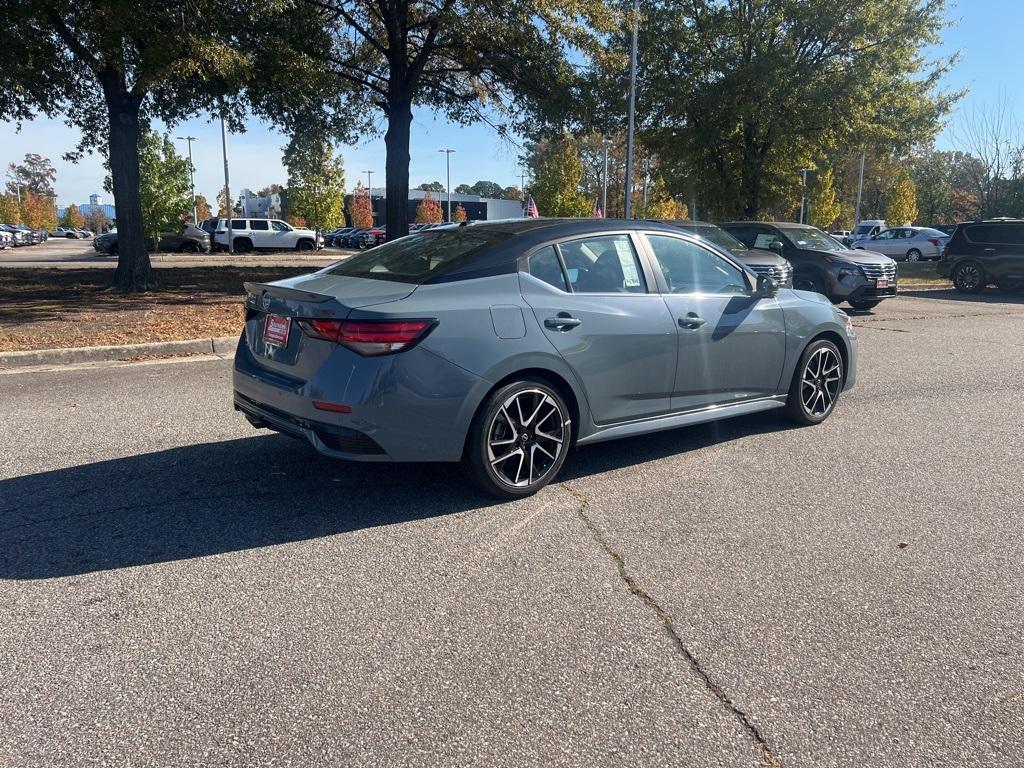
[{"x": 221, "y": 345}]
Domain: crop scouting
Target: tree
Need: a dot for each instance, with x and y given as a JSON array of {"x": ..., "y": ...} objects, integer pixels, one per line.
[
  {"x": 108, "y": 66},
  {"x": 429, "y": 211},
  {"x": 902, "y": 207},
  {"x": 512, "y": 193},
  {"x": 72, "y": 217},
  {"x": 360, "y": 208},
  {"x": 97, "y": 220},
  {"x": 37, "y": 211},
  {"x": 36, "y": 175},
  {"x": 472, "y": 61},
  {"x": 432, "y": 186},
  {"x": 203, "y": 210},
  {"x": 738, "y": 95},
  {"x": 316, "y": 180},
  {"x": 10, "y": 211},
  {"x": 989, "y": 134},
  {"x": 459, "y": 214},
  {"x": 824, "y": 207},
  {"x": 463, "y": 189},
  {"x": 164, "y": 189},
  {"x": 556, "y": 189}
]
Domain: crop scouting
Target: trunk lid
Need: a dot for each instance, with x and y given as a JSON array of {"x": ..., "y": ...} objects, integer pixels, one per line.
[{"x": 319, "y": 295}]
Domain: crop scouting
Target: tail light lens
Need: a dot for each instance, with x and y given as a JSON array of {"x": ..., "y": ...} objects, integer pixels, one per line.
[
  {"x": 370, "y": 337},
  {"x": 934, "y": 242}
]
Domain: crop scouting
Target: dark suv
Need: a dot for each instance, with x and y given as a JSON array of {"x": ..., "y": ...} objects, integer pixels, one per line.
[
  {"x": 821, "y": 263},
  {"x": 983, "y": 252}
]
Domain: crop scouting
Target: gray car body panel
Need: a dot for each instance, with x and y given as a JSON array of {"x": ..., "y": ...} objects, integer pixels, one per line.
[{"x": 418, "y": 405}]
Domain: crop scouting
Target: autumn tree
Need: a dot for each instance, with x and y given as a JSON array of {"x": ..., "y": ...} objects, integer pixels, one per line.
[
  {"x": 108, "y": 67},
  {"x": 10, "y": 211},
  {"x": 203, "y": 210},
  {"x": 316, "y": 180},
  {"x": 902, "y": 207},
  {"x": 37, "y": 211},
  {"x": 35, "y": 174},
  {"x": 97, "y": 220},
  {"x": 512, "y": 193},
  {"x": 556, "y": 188},
  {"x": 360, "y": 208},
  {"x": 824, "y": 207},
  {"x": 429, "y": 210},
  {"x": 459, "y": 214},
  {"x": 72, "y": 217}
]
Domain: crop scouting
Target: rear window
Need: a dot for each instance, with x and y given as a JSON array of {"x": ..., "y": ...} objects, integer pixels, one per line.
[
  {"x": 420, "y": 256},
  {"x": 995, "y": 233}
]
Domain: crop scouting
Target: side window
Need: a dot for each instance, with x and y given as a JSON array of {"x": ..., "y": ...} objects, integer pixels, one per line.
[
  {"x": 979, "y": 234},
  {"x": 885, "y": 234},
  {"x": 279, "y": 226},
  {"x": 764, "y": 240},
  {"x": 259, "y": 225},
  {"x": 544, "y": 266},
  {"x": 238, "y": 224},
  {"x": 603, "y": 264},
  {"x": 745, "y": 235},
  {"x": 689, "y": 268}
]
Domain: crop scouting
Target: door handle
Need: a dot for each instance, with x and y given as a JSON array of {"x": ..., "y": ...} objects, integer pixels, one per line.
[
  {"x": 563, "y": 322},
  {"x": 692, "y": 320},
  {"x": 989, "y": 250}
]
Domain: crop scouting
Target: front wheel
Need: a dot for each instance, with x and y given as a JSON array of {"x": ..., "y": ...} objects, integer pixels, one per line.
[
  {"x": 969, "y": 277},
  {"x": 519, "y": 439},
  {"x": 304, "y": 245},
  {"x": 817, "y": 384},
  {"x": 913, "y": 255},
  {"x": 804, "y": 282},
  {"x": 864, "y": 305}
]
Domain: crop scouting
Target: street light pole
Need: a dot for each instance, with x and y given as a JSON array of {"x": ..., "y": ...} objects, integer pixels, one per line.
[
  {"x": 369, "y": 181},
  {"x": 803, "y": 193},
  {"x": 192, "y": 177},
  {"x": 227, "y": 183},
  {"x": 632, "y": 111},
  {"x": 647, "y": 175},
  {"x": 604, "y": 180},
  {"x": 448, "y": 166}
]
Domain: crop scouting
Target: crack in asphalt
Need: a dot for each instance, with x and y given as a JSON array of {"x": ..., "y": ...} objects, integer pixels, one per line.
[{"x": 758, "y": 739}]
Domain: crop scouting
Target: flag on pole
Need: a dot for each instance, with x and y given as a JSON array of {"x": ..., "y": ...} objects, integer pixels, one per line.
[
  {"x": 531, "y": 209},
  {"x": 598, "y": 213}
]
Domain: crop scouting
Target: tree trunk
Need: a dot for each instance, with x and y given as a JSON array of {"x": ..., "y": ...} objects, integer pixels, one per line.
[
  {"x": 132, "y": 273},
  {"x": 396, "y": 141}
]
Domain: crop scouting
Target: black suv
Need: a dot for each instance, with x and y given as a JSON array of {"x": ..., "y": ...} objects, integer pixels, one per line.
[
  {"x": 983, "y": 252},
  {"x": 821, "y": 263}
]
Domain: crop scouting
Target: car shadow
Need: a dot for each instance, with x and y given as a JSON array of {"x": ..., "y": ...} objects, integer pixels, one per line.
[
  {"x": 259, "y": 491},
  {"x": 988, "y": 296}
]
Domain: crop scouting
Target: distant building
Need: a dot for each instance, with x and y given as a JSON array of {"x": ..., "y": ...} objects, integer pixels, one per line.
[
  {"x": 95, "y": 199},
  {"x": 95, "y": 202},
  {"x": 254, "y": 207},
  {"x": 477, "y": 208}
]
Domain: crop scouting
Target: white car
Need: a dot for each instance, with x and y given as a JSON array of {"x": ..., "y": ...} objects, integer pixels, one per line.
[
  {"x": 266, "y": 235},
  {"x": 865, "y": 230},
  {"x": 910, "y": 243},
  {"x": 65, "y": 232},
  {"x": 6, "y": 240}
]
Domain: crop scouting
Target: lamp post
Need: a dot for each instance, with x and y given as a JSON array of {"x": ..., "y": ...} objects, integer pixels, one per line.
[
  {"x": 227, "y": 183},
  {"x": 803, "y": 192},
  {"x": 369, "y": 181},
  {"x": 192, "y": 177},
  {"x": 632, "y": 111},
  {"x": 448, "y": 168},
  {"x": 605, "y": 143}
]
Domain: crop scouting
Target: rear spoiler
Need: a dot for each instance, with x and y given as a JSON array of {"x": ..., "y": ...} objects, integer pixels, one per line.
[{"x": 255, "y": 290}]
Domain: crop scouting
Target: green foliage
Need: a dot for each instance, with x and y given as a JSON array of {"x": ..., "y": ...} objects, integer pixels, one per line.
[
  {"x": 902, "y": 207},
  {"x": 433, "y": 186},
  {"x": 556, "y": 188},
  {"x": 660, "y": 204},
  {"x": 164, "y": 189},
  {"x": 36, "y": 175},
  {"x": 490, "y": 189},
  {"x": 360, "y": 208},
  {"x": 824, "y": 207},
  {"x": 72, "y": 217},
  {"x": 512, "y": 193},
  {"x": 429, "y": 211},
  {"x": 316, "y": 181}
]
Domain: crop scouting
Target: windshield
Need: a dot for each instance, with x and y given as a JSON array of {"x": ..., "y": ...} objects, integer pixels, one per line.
[
  {"x": 864, "y": 229},
  {"x": 715, "y": 235},
  {"x": 419, "y": 256},
  {"x": 814, "y": 239}
]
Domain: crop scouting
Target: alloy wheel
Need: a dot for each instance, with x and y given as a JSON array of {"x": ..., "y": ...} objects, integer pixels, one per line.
[
  {"x": 913, "y": 255},
  {"x": 820, "y": 382},
  {"x": 968, "y": 276},
  {"x": 526, "y": 436}
]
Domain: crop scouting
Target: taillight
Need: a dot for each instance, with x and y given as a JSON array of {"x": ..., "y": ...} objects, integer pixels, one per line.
[{"x": 370, "y": 337}]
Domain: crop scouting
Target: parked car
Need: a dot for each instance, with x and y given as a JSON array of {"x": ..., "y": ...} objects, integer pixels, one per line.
[
  {"x": 6, "y": 240},
  {"x": 910, "y": 243},
  {"x": 21, "y": 235},
  {"x": 865, "y": 230},
  {"x": 761, "y": 262},
  {"x": 982, "y": 253},
  {"x": 821, "y": 263},
  {"x": 71, "y": 234},
  {"x": 85, "y": 234},
  {"x": 329, "y": 236},
  {"x": 191, "y": 240},
  {"x": 372, "y": 237},
  {"x": 351, "y": 239},
  {"x": 502, "y": 344},
  {"x": 266, "y": 235},
  {"x": 842, "y": 235}
]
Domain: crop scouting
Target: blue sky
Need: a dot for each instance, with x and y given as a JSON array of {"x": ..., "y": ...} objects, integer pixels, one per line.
[{"x": 987, "y": 34}]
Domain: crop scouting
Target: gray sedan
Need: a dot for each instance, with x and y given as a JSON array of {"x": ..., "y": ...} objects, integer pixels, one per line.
[
  {"x": 910, "y": 243},
  {"x": 502, "y": 344}
]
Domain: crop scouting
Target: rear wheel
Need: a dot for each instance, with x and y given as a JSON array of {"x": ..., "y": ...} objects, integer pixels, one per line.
[
  {"x": 190, "y": 247},
  {"x": 519, "y": 439},
  {"x": 817, "y": 384},
  {"x": 864, "y": 305},
  {"x": 243, "y": 245},
  {"x": 969, "y": 277},
  {"x": 304, "y": 245},
  {"x": 913, "y": 255}
]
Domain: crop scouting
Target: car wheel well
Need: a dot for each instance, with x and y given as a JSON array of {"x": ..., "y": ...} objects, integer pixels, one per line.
[
  {"x": 550, "y": 378},
  {"x": 836, "y": 339}
]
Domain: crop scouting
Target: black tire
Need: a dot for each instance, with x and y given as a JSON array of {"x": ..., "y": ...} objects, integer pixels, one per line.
[
  {"x": 304, "y": 245},
  {"x": 190, "y": 247},
  {"x": 969, "y": 277},
  {"x": 69, "y": 236},
  {"x": 500, "y": 424},
  {"x": 808, "y": 282},
  {"x": 913, "y": 255},
  {"x": 243, "y": 245},
  {"x": 863, "y": 306},
  {"x": 823, "y": 379}
]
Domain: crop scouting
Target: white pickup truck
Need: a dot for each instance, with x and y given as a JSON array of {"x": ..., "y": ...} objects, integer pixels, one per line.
[{"x": 266, "y": 235}]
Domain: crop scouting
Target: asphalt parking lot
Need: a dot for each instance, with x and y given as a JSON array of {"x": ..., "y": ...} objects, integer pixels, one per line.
[{"x": 177, "y": 588}]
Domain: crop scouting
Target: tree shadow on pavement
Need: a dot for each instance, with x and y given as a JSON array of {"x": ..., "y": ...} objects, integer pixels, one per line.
[
  {"x": 988, "y": 296},
  {"x": 213, "y": 498}
]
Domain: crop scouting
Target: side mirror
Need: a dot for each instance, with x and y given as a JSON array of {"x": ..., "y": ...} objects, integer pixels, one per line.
[
  {"x": 767, "y": 287},
  {"x": 776, "y": 245}
]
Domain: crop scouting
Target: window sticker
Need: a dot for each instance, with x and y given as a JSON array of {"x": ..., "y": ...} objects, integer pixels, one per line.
[{"x": 631, "y": 279}]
